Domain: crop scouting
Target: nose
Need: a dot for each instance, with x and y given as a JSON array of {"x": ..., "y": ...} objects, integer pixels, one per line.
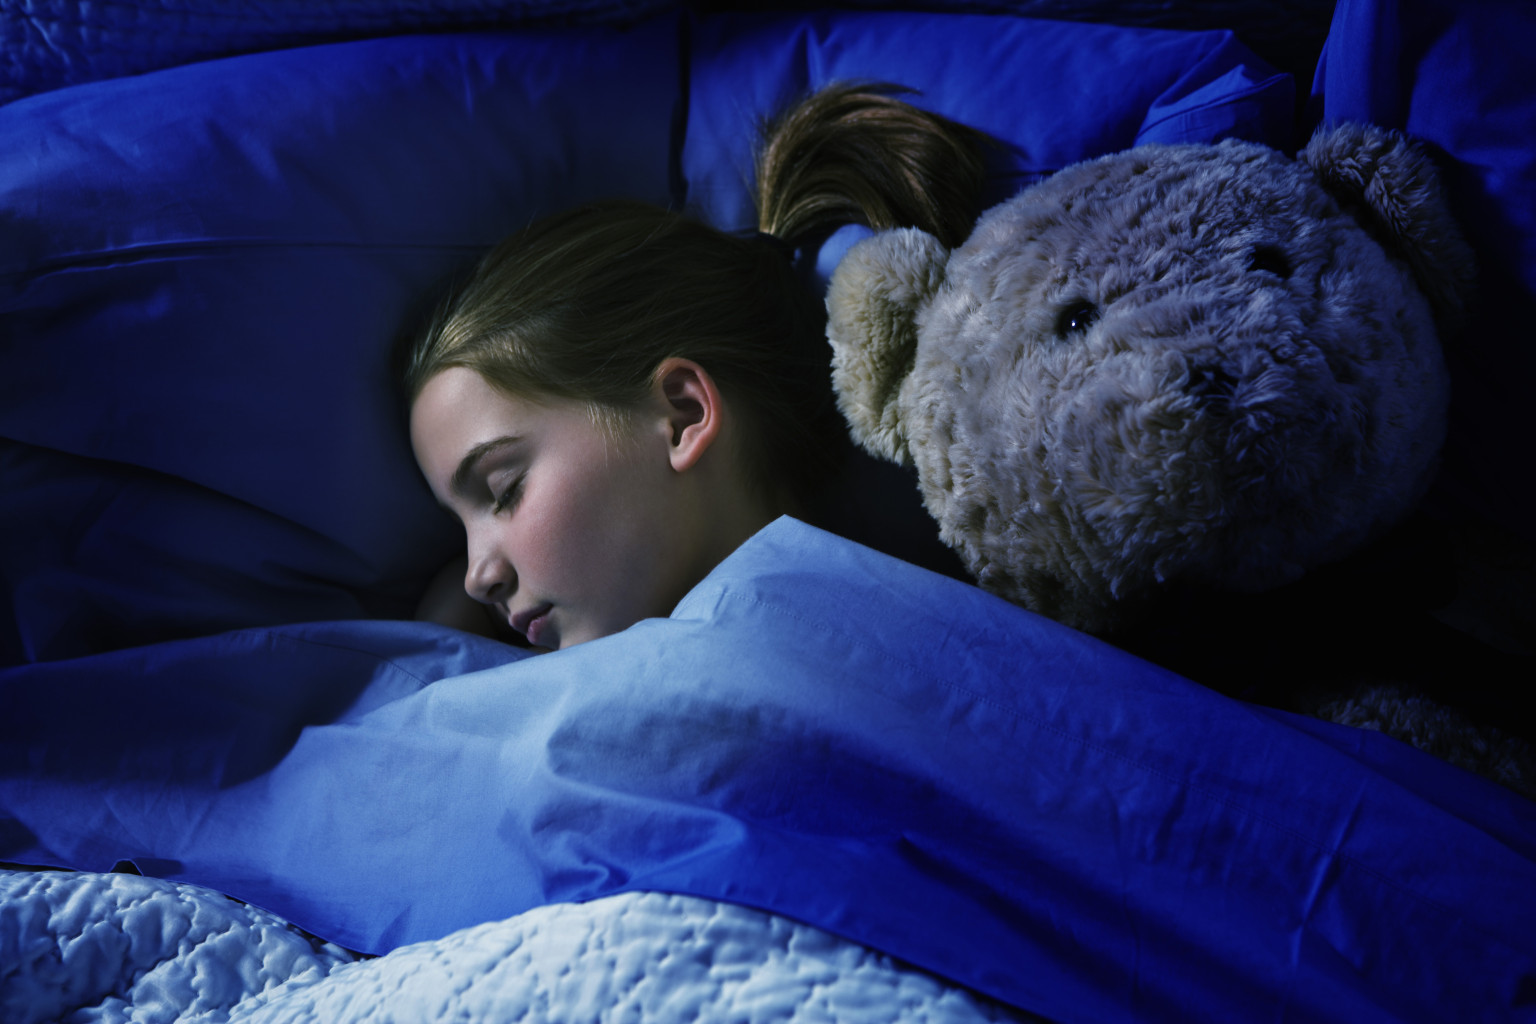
[{"x": 489, "y": 578}]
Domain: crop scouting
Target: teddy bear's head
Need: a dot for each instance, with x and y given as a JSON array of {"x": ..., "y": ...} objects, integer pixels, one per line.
[{"x": 1203, "y": 364}]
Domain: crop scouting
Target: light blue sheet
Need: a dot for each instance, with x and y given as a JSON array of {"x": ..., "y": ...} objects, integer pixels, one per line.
[{"x": 820, "y": 731}]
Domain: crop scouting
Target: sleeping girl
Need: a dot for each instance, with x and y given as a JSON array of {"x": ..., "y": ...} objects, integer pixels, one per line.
[{"x": 619, "y": 396}]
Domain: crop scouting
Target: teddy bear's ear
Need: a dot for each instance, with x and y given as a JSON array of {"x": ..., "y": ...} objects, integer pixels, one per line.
[
  {"x": 1393, "y": 188},
  {"x": 872, "y": 304}
]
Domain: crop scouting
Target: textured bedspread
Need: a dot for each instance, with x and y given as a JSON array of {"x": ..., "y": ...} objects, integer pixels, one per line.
[
  {"x": 115, "y": 947},
  {"x": 104, "y": 947}
]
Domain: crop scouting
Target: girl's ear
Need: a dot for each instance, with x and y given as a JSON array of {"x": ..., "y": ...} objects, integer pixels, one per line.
[{"x": 693, "y": 408}]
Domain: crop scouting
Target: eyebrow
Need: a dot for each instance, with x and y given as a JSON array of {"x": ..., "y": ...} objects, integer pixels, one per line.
[{"x": 466, "y": 467}]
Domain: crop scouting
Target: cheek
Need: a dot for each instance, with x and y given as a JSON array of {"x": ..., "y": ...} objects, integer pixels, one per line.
[
  {"x": 553, "y": 539},
  {"x": 580, "y": 534}
]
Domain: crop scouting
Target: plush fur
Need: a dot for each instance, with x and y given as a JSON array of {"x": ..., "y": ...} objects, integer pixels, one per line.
[
  {"x": 1212, "y": 365},
  {"x": 1438, "y": 730}
]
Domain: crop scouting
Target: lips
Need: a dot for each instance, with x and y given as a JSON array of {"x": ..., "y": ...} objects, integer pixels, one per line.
[{"x": 533, "y": 623}]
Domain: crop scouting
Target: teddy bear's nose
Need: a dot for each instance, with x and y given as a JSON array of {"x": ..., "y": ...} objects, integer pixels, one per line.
[{"x": 1269, "y": 259}]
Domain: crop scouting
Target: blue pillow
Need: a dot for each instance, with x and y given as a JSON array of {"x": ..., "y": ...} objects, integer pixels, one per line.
[
  {"x": 1455, "y": 75},
  {"x": 202, "y": 274},
  {"x": 1053, "y": 92},
  {"x": 53, "y": 43}
]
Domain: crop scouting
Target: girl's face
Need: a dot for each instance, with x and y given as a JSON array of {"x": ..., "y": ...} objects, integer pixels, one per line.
[{"x": 572, "y": 534}]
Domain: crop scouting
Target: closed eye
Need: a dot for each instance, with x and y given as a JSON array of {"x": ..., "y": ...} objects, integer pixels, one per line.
[{"x": 509, "y": 496}]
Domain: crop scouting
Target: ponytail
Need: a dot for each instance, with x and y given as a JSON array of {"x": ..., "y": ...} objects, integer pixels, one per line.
[{"x": 853, "y": 154}]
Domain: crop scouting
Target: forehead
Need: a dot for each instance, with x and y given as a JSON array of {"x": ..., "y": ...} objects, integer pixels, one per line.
[
  {"x": 457, "y": 410},
  {"x": 1130, "y": 229},
  {"x": 453, "y": 401},
  {"x": 1160, "y": 243},
  {"x": 1125, "y": 207}
]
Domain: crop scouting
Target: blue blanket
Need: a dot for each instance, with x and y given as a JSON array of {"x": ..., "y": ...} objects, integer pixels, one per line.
[{"x": 819, "y": 731}]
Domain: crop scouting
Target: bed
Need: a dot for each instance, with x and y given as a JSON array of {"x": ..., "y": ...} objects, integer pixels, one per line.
[{"x": 838, "y": 782}]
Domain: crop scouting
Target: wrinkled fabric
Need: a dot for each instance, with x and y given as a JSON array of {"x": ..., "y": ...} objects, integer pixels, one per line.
[{"x": 822, "y": 732}]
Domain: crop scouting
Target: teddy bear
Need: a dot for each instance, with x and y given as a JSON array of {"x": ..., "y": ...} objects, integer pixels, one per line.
[
  {"x": 1204, "y": 362},
  {"x": 1178, "y": 365}
]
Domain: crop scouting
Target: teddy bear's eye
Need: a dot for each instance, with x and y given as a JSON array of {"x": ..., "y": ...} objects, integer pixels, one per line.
[
  {"x": 1269, "y": 259},
  {"x": 1076, "y": 317}
]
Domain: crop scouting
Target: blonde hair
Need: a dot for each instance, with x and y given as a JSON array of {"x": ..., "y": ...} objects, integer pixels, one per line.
[{"x": 584, "y": 305}]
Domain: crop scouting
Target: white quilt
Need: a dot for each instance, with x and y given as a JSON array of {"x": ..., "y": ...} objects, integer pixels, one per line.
[{"x": 81, "y": 947}]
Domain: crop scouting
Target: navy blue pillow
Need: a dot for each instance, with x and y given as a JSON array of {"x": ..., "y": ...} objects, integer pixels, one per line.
[
  {"x": 1456, "y": 75},
  {"x": 202, "y": 273},
  {"x": 49, "y": 44},
  {"x": 1053, "y": 92}
]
